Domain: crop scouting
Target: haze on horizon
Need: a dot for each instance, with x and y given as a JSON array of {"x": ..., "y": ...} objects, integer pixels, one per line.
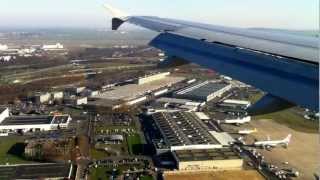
[{"x": 284, "y": 14}]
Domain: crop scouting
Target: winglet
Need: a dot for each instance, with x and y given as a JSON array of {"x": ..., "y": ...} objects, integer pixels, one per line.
[
  {"x": 119, "y": 17},
  {"x": 288, "y": 138}
]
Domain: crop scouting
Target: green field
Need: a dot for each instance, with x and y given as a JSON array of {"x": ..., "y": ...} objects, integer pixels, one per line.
[
  {"x": 293, "y": 120},
  {"x": 98, "y": 154},
  {"x": 134, "y": 144},
  {"x": 100, "y": 173},
  {"x": 289, "y": 117},
  {"x": 6, "y": 143},
  {"x": 146, "y": 178}
]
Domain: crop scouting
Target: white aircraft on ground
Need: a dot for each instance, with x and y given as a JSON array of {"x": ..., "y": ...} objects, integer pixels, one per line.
[
  {"x": 247, "y": 131},
  {"x": 273, "y": 143},
  {"x": 237, "y": 122}
]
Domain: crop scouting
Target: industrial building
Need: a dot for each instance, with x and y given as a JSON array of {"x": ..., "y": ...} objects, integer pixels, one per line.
[
  {"x": 34, "y": 123},
  {"x": 75, "y": 101},
  {"x": 183, "y": 104},
  {"x": 207, "y": 160},
  {"x": 131, "y": 94},
  {"x": 58, "y": 95},
  {"x": 40, "y": 98},
  {"x": 153, "y": 77},
  {"x": 4, "y": 113},
  {"x": 110, "y": 139},
  {"x": 52, "y": 47},
  {"x": 182, "y": 131},
  {"x": 232, "y": 103},
  {"x": 224, "y": 138},
  {"x": 74, "y": 90},
  {"x": 38, "y": 171},
  {"x": 132, "y": 91},
  {"x": 204, "y": 91},
  {"x": 3, "y": 47}
]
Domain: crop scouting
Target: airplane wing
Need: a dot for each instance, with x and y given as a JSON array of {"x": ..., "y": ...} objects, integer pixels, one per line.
[{"x": 283, "y": 65}]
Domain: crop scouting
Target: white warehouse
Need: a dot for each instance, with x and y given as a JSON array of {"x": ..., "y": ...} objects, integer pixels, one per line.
[
  {"x": 204, "y": 91},
  {"x": 4, "y": 113},
  {"x": 154, "y": 77},
  {"x": 56, "y": 46},
  {"x": 34, "y": 123}
]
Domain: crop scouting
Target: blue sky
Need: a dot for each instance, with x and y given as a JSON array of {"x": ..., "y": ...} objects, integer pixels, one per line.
[{"x": 285, "y": 14}]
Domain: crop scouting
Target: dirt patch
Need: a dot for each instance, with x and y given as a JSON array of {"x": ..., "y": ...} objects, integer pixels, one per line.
[
  {"x": 216, "y": 175},
  {"x": 302, "y": 153}
]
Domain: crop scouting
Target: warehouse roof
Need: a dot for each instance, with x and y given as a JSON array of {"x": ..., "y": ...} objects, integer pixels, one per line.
[
  {"x": 2, "y": 109},
  {"x": 26, "y": 120},
  {"x": 132, "y": 91},
  {"x": 206, "y": 154},
  {"x": 60, "y": 119},
  {"x": 173, "y": 100},
  {"x": 224, "y": 138},
  {"x": 35, "y": 171},
  {"x": 203, "y": 89},
  {"x": 183, "y": 128},
  {"x": 34, "y": 120}
]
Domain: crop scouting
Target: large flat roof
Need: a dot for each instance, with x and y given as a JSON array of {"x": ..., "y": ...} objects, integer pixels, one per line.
[
  {"x": 183, "y": 128},
  {"x": 131, "y": 91},
  {"x": 34, "y": 171},
  {"x": 206, "y": 154},
  {"x": 202, "y": 89},
  {"x": 2, "y": 109},
  {"x": 26, "y": 120},
  {"x": 60, "y": 119}
]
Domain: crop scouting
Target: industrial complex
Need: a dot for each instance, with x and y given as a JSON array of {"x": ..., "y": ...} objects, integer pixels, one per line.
[
  {"x": 204, "y": 91},
  {"x": 139, "y": 91},
  {"x": 112, "y": 113}
]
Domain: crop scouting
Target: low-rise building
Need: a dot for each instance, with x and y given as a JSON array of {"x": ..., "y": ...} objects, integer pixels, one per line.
[
  {"x": 3, "y": 47},
  {"x": 6, "y": 58},
  {"x": 34, "y": 123},
  {"x": 75, "y": 101},
  {"x": 224, "y": 138},
  {"x": 204, "y": 91},
  {"x": 90, "y": 93},
  {"x": 4, "y": 113},
  {"x": 235, "y": 103},
  {"x": 37, "y": 171},
  {"x": 40, "y": 98},
  {"x": 153, "y": 77},
  {"x": 130, "y": 94},
  {"x": 50, "y": 47},
  {"x": 74, "y": 90},
  {"x": 207, "y": 160},
  {"x": 182, "y": 131},
  {"x": 183, "y": 104},
  {"x": 110, "y": 139},
  {"x": 58, "y": 95}
]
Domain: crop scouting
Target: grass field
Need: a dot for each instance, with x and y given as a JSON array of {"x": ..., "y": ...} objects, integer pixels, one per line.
[
  {"x": 100, "y": 173},
  {"x": 292, "y": 120},
  {"x": 288, "y": 117},
  {"x": 98, "y": 154},
  {"x": 134, "y": 144},
  {"x": 5, "y": 144},
  {"x": 146, "y": 178}
]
